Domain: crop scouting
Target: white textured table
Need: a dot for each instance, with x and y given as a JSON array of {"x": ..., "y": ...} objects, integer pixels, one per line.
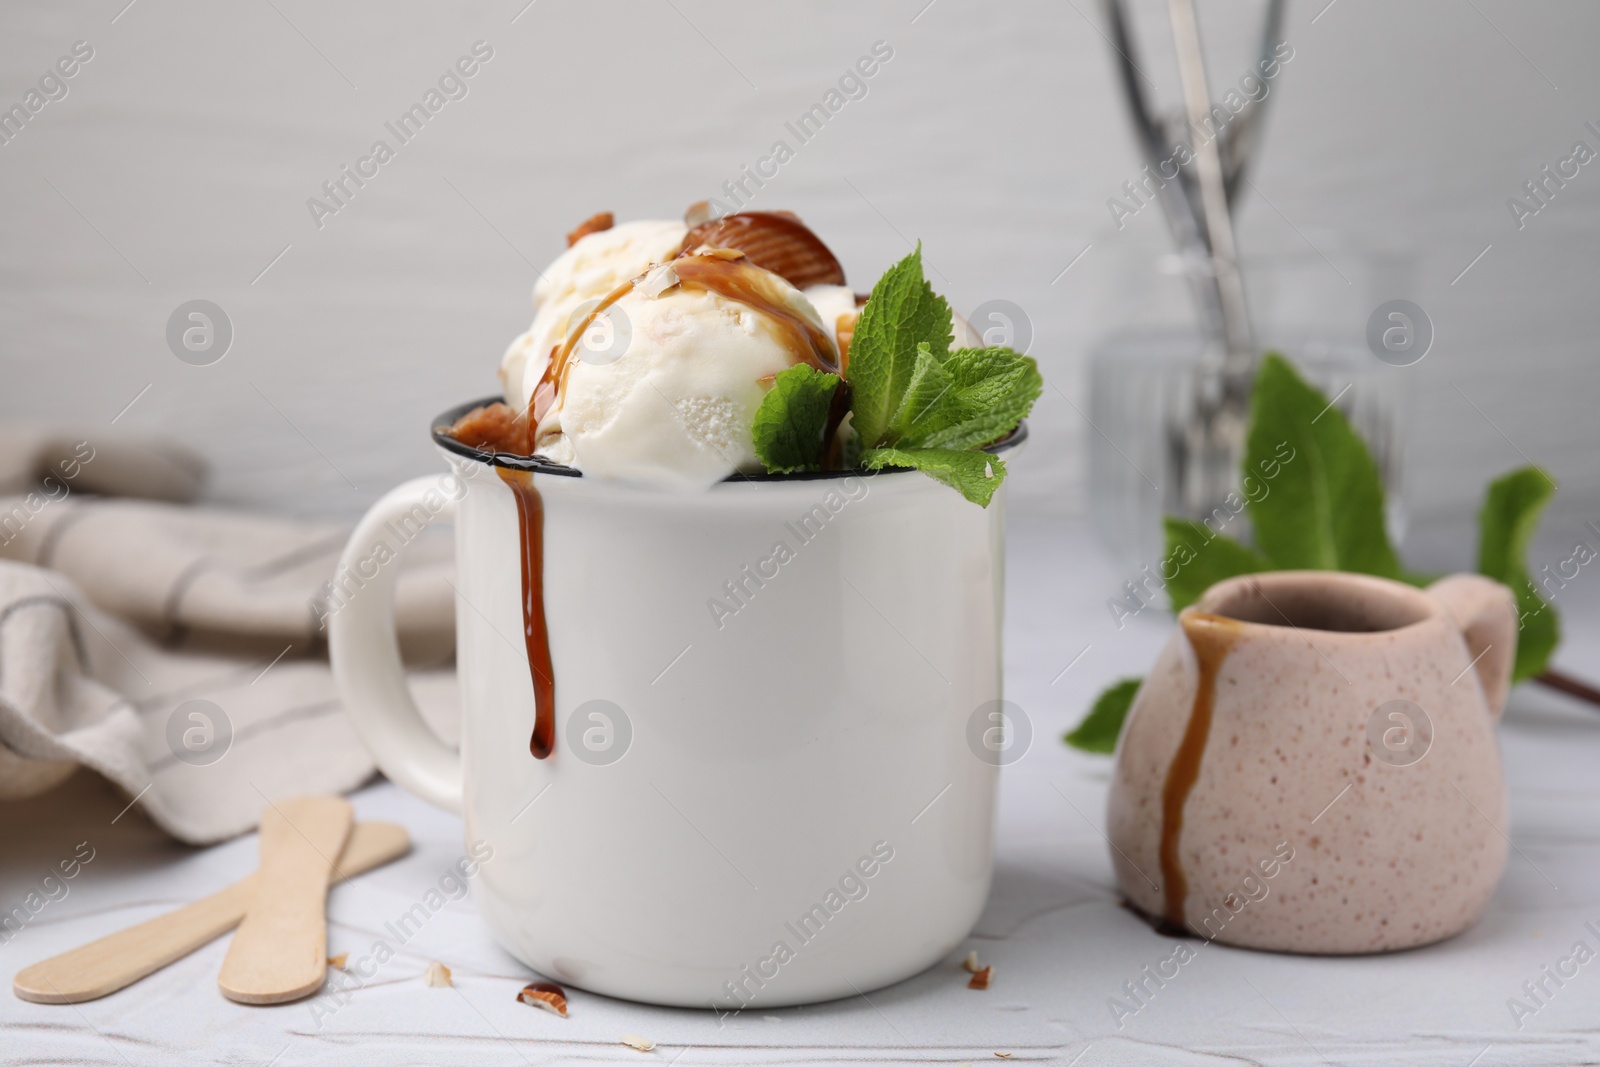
[{"x": 1061, "y": 944}]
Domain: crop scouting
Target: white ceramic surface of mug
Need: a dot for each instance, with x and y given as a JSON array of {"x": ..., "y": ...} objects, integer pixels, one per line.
[
  {"x": 757, "y": 692},
  {"x": 1312, "y": 764}
]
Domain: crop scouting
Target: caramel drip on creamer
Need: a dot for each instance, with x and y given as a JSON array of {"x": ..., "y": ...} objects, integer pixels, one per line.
[
  {"x": 535, "y": 631},
  {"x": 1212, "y": 638}
]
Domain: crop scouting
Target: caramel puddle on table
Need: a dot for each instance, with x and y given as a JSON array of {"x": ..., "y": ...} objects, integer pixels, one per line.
[
  {"x": 535, "y": 631},
  {"x": 1212, "y": 638}
]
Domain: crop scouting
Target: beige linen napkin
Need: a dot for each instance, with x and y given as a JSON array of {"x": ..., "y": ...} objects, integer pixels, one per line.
[{"x": 179, "y": 650}]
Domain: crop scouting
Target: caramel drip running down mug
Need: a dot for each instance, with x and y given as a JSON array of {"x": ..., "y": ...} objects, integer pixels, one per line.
[
  {"x": 717, "y": 741},
  {"x": 1312, "y": 765}
]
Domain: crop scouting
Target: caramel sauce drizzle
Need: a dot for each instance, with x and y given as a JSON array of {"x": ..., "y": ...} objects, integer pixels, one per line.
[
  {"x": 1212, "y": 637},
  {"x": 749, "y": 284},
  {"x": 735, "y": 279},
  {"x": 535, "y": 630}
]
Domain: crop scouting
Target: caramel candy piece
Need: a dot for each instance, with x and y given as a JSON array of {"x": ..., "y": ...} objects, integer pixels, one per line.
[
  {"x": 546, "y": 995},
  {"x": 599, "y": 221},
  {"x": 773, "y": 240}
]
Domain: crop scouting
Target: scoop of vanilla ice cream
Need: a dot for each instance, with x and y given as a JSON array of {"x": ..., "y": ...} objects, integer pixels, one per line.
[
  {"x": 590, "y": 269},
  {"x": 831, "y": 301},
  {"x": 676, "y": 407}
]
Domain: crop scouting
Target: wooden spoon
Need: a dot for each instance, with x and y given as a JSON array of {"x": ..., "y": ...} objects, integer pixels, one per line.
[
  {"x": 117, "y": 960},
  {"x": 280, "y": 951}
]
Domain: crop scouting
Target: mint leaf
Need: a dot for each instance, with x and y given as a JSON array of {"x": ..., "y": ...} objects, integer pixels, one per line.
[
  {"x": 902, "y": 313},
  {"x": 916, "y": 404},
  {"x": 1100, "y": 728},
  {"x": 929, "y": 403},
  {"x": 987, "y": 377},
  {"x": 995, "y": 386},
  {"x": 1506, "y": 526},
  {"x": 790, "y": 422},
  {"x": 1508, "y": 521},
  {"x": 1322, "y": 502},
  {"x": 1202, "y": 559},
  {"x": 975, "y": 475}
]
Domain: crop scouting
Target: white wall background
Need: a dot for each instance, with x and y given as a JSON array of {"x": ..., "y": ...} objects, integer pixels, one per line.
[{"x": 180, "y": 162}]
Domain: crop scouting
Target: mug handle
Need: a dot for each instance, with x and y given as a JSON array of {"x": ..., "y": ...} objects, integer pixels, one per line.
[
  {"x": 1486, "y": 613},
  {"x": 366, "y": 653}
]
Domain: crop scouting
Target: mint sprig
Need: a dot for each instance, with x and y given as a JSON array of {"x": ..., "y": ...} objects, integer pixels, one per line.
[
  {"x": 792, "y": 419},
  {"x": 902, "y": 314},
  {"x": 914, "y": 403},
  {"x": 1318, "y": 504}
]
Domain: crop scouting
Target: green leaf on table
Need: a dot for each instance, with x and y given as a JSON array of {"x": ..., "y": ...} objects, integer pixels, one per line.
[
  {"x": 1315, "y": 501},
  {"x": 975, "y": 475},
  {"x": 1322, "y": 501},
  {"x": 790, "y": 422},
  {"x": 902, "y": 314},
  {"x": 1203, "y": 558},
  {"x": 1100, "y": 728},
  {"x": 1506, "y": 527}
]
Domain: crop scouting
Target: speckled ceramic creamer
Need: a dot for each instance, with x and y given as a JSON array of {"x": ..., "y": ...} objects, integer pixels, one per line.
[{"x": 1312, "y": 765}]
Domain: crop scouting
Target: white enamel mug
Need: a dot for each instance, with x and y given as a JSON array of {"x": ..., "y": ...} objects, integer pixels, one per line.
[{"x": 773, "y": 773}]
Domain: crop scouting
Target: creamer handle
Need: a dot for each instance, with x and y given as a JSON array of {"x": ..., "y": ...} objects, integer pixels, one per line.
[{"x": 1486, "y": 612}]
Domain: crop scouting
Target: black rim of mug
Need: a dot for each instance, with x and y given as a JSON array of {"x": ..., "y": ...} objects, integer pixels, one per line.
[{"x": 539, "y": 465}]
